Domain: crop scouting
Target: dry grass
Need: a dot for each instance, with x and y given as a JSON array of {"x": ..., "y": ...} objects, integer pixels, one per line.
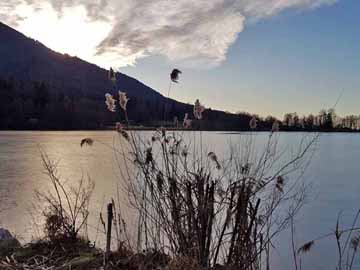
[
  {"x": 214, "y": 212},
  {"x": 66, "y": 212}
]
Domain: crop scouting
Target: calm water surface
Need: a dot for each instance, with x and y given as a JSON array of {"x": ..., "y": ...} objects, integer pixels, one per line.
[{"x": 334, "y": 174}]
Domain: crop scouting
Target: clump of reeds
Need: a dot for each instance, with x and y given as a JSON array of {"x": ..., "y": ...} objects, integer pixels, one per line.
[
  {"x": 196, "y": 206},
  {"x": 204, "y": 211}
]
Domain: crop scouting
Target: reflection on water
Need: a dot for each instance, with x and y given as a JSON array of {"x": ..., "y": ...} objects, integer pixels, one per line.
[
  {"x": 334, "y": 174},
  {"x": 21, "y": 172}
]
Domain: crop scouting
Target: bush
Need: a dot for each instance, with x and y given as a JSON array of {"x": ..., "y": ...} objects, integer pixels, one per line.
[{"x": 67, "y": 211}]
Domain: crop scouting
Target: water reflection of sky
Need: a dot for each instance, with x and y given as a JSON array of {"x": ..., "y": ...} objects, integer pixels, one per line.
[{"x": 333, "y": 174}]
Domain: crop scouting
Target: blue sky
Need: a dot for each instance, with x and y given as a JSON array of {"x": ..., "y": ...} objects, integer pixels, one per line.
[
  {"x": 260, "y": 56},
  {"x": 296, "y": 61}
]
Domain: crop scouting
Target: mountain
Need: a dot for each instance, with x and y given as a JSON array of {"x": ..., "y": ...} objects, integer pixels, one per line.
[{"x": 40, "y": 88}]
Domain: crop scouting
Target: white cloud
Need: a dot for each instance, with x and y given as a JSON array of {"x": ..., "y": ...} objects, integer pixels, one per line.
[
  {"x": 180, "y": 30},
  {"x": 7, "y": 13},
  {"x": 199, "y": 32}
]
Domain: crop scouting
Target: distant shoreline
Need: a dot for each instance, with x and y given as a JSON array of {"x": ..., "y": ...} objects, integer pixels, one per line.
[{"x": 183, "y": 129}]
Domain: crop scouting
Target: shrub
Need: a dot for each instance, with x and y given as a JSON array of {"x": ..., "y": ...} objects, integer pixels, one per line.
[{"x": 67, "y": 211}]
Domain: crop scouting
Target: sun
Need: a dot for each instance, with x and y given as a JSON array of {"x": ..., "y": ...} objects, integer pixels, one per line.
[{"x": 71, "y": 32}]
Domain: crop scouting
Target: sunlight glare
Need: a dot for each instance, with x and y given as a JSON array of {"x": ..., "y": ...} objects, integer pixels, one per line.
[{"x": 72, "y": 33}]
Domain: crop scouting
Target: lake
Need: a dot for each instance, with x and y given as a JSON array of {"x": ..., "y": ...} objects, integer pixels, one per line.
[{"x": 333, "y": 173}]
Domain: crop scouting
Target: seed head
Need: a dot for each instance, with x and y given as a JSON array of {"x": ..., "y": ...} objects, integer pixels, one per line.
[
  {"x": 174, "y": 75},
  {"x": 123, "y": 100},
  {"x": 110, "y": 102},
  {"x": 253, "y": 123},
  {"x": 112, "y": 75},
  {"x": 198, "y": 110}
]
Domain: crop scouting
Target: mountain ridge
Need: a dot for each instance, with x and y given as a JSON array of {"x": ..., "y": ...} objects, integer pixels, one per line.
[
  {"x": 65, "y": 92},
  {"x": 58, "y": 59}
]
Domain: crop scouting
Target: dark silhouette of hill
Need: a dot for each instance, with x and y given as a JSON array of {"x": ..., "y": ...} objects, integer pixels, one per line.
[{"x": 43, "y": 89}]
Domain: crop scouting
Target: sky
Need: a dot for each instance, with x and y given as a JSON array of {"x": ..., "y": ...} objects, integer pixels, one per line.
[{"x": 260, "y": 56}]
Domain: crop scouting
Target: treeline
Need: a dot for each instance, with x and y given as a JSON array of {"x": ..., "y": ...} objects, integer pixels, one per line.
[
  {"x": 325, "y": 120},
  {"x": 39, "y": 105},
  {"x": 34, "y": 106}
]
